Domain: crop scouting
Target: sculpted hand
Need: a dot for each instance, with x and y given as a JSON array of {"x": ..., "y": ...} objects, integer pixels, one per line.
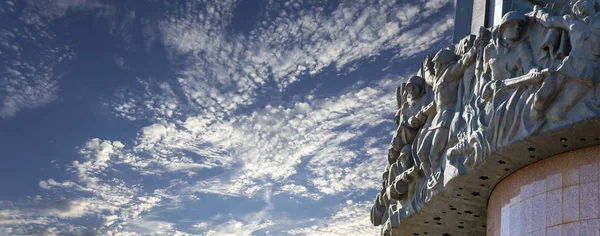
[
  {"x": 536, "y": 13},
  {"x": 539, "y": 12},
  {"x": 415, "y": 121},
  {"x": 538, "y": 74},
  {"x": 532, "y": 14}
]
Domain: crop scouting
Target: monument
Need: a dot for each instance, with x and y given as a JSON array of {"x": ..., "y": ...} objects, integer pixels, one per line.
[{"x": 499, "y": 133}]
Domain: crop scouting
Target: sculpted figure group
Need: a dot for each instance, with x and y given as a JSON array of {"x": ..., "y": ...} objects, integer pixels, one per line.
[{"x": 534, "y": 70}]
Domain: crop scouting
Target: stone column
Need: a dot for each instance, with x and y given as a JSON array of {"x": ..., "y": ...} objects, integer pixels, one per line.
[
  {"x": 462, "y": 19},
  {"x": 479, "y": 15}
]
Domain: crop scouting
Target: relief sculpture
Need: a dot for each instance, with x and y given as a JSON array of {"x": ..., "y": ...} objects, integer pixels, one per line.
[
  {"x": 535, "y": 71},
  {"x": 576, "y": 74}
]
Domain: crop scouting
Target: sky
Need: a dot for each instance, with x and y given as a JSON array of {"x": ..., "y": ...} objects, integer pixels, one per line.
[{"x": 225, "y": 117}]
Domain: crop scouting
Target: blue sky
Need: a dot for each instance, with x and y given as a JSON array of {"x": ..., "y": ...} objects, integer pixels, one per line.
[{"x": 202, "y": 117}]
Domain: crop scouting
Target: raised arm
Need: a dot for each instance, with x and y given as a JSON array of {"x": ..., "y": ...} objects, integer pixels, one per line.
[
  {"x": 463, "y": 63},
  {"x": 419, "y": 119},
  {"x": 549, "y": 21}
]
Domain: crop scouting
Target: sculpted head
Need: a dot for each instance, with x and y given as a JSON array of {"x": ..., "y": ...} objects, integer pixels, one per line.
[
  {"x": 583, "y": 8},
  {"x": 414, "y": 88},
  {"x": 443, "y": 58},
  {"x": 511, "y": 26}
]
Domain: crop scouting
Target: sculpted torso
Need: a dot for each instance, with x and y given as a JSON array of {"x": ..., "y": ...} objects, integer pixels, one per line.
[
  {"x": 445, "y": 90},
  {"x": 585, "y": 38},
  {"x": 512, "y": 64}
]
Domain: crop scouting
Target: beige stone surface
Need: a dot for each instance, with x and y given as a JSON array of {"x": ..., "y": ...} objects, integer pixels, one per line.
[{"x": 554, "y": 196}]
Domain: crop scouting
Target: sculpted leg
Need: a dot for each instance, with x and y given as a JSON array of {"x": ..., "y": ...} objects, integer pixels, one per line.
[
  {"x": 571, "y": 93},
  {"x": 544, "y": 96},
  {"x": 423, "y": 153},
  {"x": 440, "y": 139}
]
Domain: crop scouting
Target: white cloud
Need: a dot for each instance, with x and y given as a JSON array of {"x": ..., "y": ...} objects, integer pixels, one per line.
[
  {"x": 116, "y": 202},
  {"x": 154, "y": 101},
  {"x": 245, "y": 224},
  {"x": 298, "y": 190},
  {"x": 151, "y": 227},
  {"x": 202, "y": 225},
  {"x": 43, "y": 12},
  {"x": 97, "y": 154},
  {"x": 350, "y": 219},
  {"x": 266, "y": 147},
  {"x": 21, "y": 93},
  {"x": 28, "y": 58},
  {"x": 31, "y": 58},
  {"x": 193, "y": 197},
  {"x": 11, "y": 216},
  {"x": 237, "y": 228}
]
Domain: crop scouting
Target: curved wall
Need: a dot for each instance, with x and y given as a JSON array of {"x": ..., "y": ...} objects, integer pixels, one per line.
[{"x": 555, "y": 196}]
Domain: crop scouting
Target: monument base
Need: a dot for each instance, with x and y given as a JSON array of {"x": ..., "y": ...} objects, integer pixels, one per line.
[{"x": 554, "y": 196}]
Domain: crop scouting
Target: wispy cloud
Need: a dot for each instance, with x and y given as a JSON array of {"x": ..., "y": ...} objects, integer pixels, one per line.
[
  {"x": 272, "y": 143},
  {"x": 279, "y": 138},
  {"x": 350, "y": 219},
  {"x": 225, "y": 70},
  {"x": 28, "y": 59},
  {"x": 32, "y": 59},
  {"x": 116, "y": 202},
  {"x": 156, "y": 101},
  {"x": 244, "y": 224},
  {"x": 43, "y": 12}
]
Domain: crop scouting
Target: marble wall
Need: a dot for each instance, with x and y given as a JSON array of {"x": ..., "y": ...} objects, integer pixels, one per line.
[{"x": 554, "y": 196}]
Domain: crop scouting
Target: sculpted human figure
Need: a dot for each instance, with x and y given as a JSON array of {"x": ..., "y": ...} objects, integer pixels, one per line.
[
  {"x": 402, "y": 184},
  {"x": 509, "y": 55},
  {"x": 574, "y": 77},
  {"x": 448, "y": 72},
  {"x": 410, "y": 119},
  {"x": 378, "y": 210},
  {"x": 399, "y": 154},
  {"x": 414, "y": 92},
  {"x": 410, "y": 99}
]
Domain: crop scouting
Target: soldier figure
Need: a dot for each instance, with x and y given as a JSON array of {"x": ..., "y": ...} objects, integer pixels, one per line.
[
  {"x": 415, "y": 100},
  {"x": 402, "y": 177},
  {"x": 400, "y": 160},
  {"x": 411, "y": 116},
  {"x": 509, "y": 55},
  {"x": 448, "y": 73}
]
